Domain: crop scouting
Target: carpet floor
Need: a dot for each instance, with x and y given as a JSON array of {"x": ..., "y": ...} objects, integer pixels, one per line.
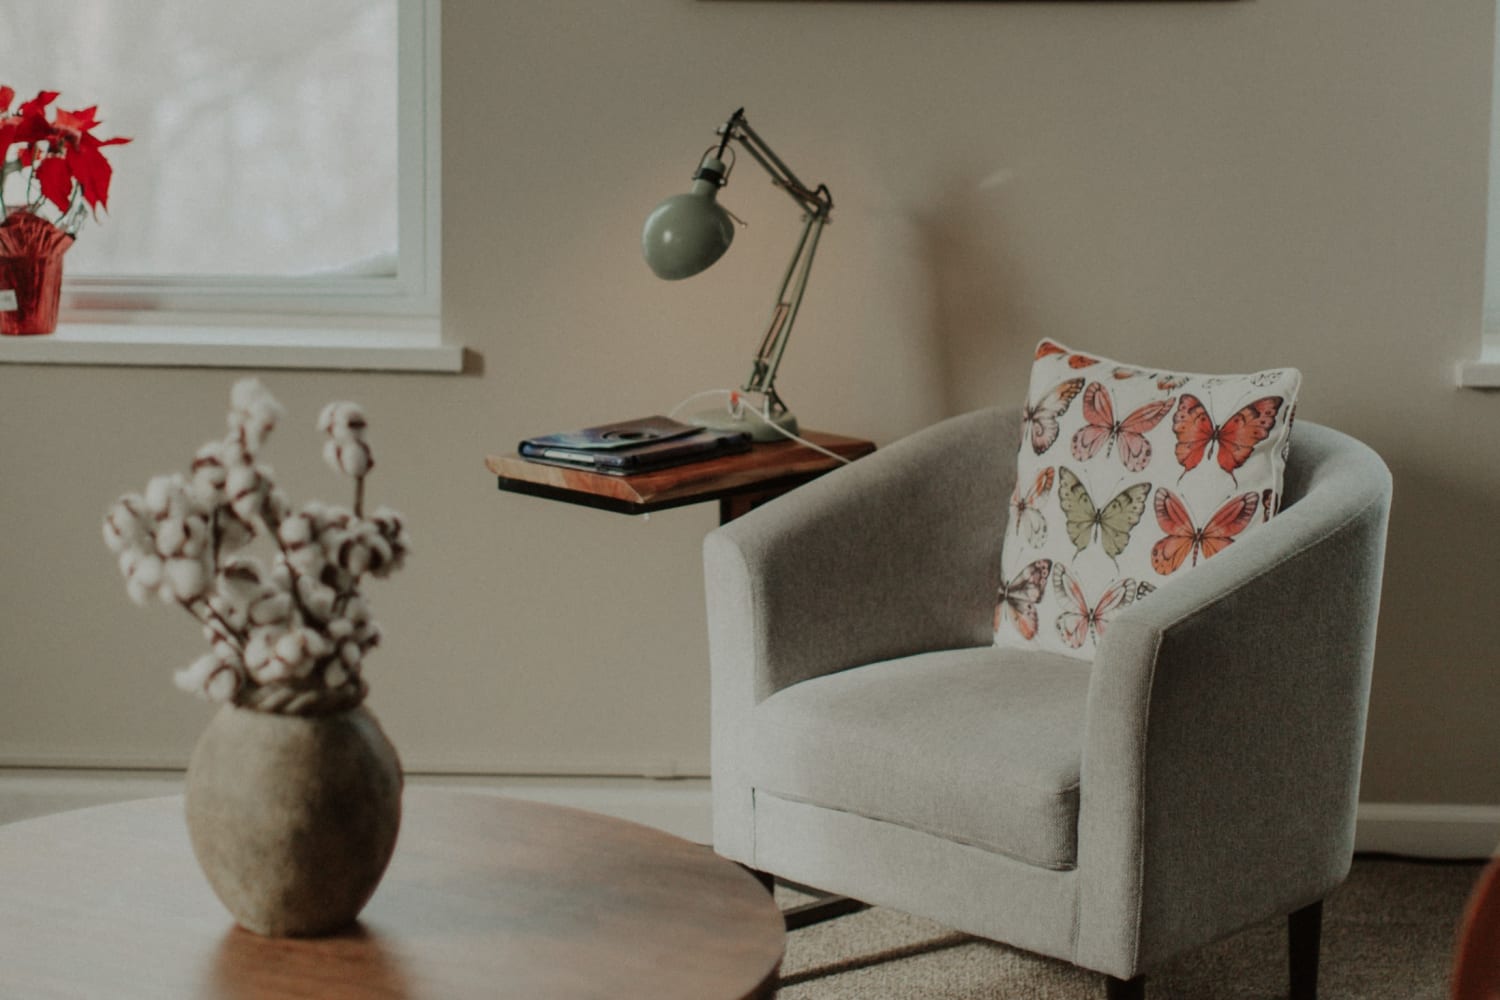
[{"x": 1388, "y": 934}]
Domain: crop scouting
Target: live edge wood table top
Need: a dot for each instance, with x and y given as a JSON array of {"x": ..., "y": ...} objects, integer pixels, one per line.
[
  {"x": 486, "y": 897},
  {"x": 738, "y": 481}
]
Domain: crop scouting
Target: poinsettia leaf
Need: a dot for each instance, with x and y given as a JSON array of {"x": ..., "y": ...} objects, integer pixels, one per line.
[
  {"x": 93, "y": 172},
  {"x": 38, "y": 104},
  {"x": 32, "y": 128},
  {"x": 7, "y": 94},
  {"x": 56, "y": 181},
  {"x": 80, "y": 121}
]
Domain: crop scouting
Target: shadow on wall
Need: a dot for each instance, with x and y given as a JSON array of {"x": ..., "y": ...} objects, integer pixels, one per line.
[{"x": 979, "y": 293}]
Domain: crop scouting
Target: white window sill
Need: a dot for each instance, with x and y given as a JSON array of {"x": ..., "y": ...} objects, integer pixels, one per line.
[
  {"x": 1483, "y": 373},
  {"x": 375, "y": 346}
]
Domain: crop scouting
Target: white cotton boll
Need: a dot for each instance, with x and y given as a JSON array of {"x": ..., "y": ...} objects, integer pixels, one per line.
[
  {"x": 227, "y": 654},
  {"x": 114, "y": 537},
  {"x": 205, "y": 496},
  {"x": 290, "y": 647},
  {"x": 271, "y": 607},
  {"x": 277, "y": 506},
  {"x": 343, "y": 421},
  {"x": 273, "y": 671},
  {"x": 249, "y": 394},
  {"x": 306, "y": 559},
  {"x": 158, "y": 496},
  {"x": 261, "y": 647},
  {"x": 146, "y": 569},
  {"x": 369, "y": 636},
  {"x": 239, "y": 477},
  {"x": 296, "y": 530},
  {"x": 138, "y": 592},
  {"x": 300, "y": 651},
  {"x": 255, "y": 411},
  {"x": 170, "y": 535},
  {"x": 331, "y": 455},
  {"x": 222, "y": 685},
  {"x": 187, "y": 577},
  {"x": 191, "y": 678},
  {"x": 233, "y": 615},
  {"x": 356, "y": 557},
  {"x": 350, "y": 653},
  {"x": 316, "y": 643},
  {"x": 243, "y": 487},
  {"x": 122, "y": 524},
  {"x": 318, "y": 598},
  {"x": 196, "y": 542},
  {"x": 335, "y": 675},
  {"x": 352, "y": 458}
]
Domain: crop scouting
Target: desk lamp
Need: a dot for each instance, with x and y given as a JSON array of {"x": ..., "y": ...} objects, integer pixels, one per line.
[{"x": 688, "y": 232}]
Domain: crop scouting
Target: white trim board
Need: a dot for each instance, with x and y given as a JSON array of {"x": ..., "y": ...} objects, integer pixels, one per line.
[
  {"x": 1428, "y": 830},
  {"x": 683, "y": 806}
]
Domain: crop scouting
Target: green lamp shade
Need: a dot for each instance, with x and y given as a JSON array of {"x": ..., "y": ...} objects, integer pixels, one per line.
[{"x": 686, "y": 233}]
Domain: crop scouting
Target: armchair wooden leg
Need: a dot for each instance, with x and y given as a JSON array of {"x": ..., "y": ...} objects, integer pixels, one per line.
[
  {"x": 823, "y": 907},
  {"x": 1125, "y": 989},
  {"x": 1304, "y": 930}
]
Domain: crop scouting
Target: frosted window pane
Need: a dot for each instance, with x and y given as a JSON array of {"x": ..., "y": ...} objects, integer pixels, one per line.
[{"x": 265, "y": 132}]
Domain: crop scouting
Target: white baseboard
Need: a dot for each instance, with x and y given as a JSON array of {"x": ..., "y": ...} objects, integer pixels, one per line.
[
  {"x": 1428, "y": 830},
  {"x": 683, "y": 807}
]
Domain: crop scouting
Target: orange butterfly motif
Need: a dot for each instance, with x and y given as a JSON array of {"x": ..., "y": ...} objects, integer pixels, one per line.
[
  {"x": 1041, "y": 417},
  {"x": 1078, "y": 618},
  {"x": 1101, "y": 429},
  {"x": 1017, "y": 600},
  {"x": 1029, "y": 521},
  {"x": 1184, "y": 539},
  {"x": 1048, "y": 347},
  {"x": 1232, "y": 441},
  {"x": 1164, "y": 380}
]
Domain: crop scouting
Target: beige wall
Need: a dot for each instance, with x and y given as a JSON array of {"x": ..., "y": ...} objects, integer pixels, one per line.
[{"x": 1205, "y": 185}]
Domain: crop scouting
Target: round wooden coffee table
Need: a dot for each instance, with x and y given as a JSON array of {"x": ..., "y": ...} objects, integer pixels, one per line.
[{"x": 485, "y": 897}]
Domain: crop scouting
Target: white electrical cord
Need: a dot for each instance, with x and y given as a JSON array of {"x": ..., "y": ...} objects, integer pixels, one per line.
[{"x": 736, "y": 407}]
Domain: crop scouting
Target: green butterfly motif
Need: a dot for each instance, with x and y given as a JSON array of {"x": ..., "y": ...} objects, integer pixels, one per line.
[{"x": 1113, "y": 524}]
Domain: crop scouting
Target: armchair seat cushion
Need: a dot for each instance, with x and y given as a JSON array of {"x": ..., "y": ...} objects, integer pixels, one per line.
[{"x": 980, "y": 746}]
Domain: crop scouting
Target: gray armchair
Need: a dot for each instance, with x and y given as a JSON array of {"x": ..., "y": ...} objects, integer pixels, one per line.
[{"x": 1200, "y": 776}]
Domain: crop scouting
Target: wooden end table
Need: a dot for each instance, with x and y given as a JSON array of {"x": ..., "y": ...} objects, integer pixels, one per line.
[
  {"x": 739, "y": 482},
  {"x": 486, "y": 897}
]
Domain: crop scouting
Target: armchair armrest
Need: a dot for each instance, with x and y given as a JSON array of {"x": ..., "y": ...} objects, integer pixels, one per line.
[
  {"x": 895, "y": 554},
  {"x": 1225, "y": 724}
]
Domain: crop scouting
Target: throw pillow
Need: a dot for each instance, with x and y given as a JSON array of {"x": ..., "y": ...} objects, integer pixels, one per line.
[{"x": 1127, "y": 478}]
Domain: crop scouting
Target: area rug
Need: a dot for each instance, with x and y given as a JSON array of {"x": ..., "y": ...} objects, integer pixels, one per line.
[{"x": 1388, "y": 934}]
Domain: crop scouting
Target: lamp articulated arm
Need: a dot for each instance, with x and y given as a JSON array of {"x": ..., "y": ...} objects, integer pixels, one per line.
[
  {"x": 817, "y": 204},
  {"x": 689, "y": 232}
]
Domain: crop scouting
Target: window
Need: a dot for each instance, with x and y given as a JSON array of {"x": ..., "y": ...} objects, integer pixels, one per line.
[{"x": 282, "y": 181}]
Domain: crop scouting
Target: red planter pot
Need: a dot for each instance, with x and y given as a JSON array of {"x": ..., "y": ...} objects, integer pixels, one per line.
[{"x": 31, "y": 259}]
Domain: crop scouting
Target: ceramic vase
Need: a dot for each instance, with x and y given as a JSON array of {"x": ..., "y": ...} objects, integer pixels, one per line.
[
  {"x": 31, "y": 268},
  {"x": 293, "y": 819}
]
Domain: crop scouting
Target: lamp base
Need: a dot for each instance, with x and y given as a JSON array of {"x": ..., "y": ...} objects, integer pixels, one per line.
[{"x": 759, "y": 427}]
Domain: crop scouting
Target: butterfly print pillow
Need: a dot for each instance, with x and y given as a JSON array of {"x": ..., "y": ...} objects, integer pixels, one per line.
[{"x": 1128, "y": 477}]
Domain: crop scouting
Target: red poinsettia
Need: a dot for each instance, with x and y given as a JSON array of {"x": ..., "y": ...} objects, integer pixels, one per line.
[{"x": 63, "y": 156}]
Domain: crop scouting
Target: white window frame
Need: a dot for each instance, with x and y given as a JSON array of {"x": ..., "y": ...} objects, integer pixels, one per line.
[
  {"x": 1484, "y": 372},
  {"x": 356, "y": 322}
]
